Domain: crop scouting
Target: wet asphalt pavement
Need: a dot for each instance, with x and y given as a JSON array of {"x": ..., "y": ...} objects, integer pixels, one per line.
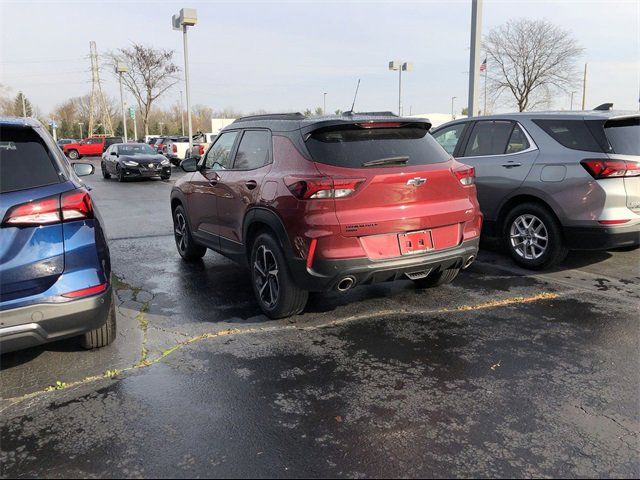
[{"x": 503, "y": 373}]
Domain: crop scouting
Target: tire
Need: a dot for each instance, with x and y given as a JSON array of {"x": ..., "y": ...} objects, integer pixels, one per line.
[
  {"x": 103, "y": 336},
  {"x": 533, "y": 237},
  {"x": 438, "y": 278},
  {"x": 73, "y": 154},
  {"x": 165, "y": 177},
  {"x": 187, "y": 248},
  {"x": 106, "y": 175},
  {"x": 276, "y": 292},
  {"x": 120, "y": 174}
]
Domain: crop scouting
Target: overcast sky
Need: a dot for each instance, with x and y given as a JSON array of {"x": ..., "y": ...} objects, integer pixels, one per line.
[{"x": 282, "y": 56}]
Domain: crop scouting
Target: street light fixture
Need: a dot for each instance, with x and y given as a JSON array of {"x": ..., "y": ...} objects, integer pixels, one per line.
[
  {"x": 120, "y": 69},
  {"x": 400, "y": 67},
  {"x": 187, "y": 17}
]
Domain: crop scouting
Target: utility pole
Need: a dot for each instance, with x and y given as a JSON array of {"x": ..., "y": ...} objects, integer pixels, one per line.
[
  {"x": 584, "y": 88},
  {"x": 97, "y": 103},
  {"x": 161, "y": 124},
  {"x": 452, "y": 115},
  {"x": 181, "y": 113},
  {"x": 80, "y": 125},
  {"x": 120, "y": 69},
  {"x": 571, "y": 104},
  {"x": 474, "y": 55},
  {"x": 324, "y": 103},
  {"x": 24, "y": 106}
]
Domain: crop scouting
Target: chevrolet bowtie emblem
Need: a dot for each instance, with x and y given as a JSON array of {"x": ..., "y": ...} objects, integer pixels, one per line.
[{"x": 417, "y": 181}]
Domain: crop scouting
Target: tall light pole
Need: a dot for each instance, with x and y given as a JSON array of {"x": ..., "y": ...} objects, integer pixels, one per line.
[
  {"x": 186, "y": 18},
  {"x": 400, "y": 67},
  {"x": 474, "y": 55},
  {"x": 181, "y": 113},
  {"x": 571, "y": 105},
  {"x": 452, "y": 116},
  {"x": 584, "y": 88},
  {"x": 161, "y": 124},
  {"x": 324, "y": 103},
  {"x": 80, "y": 125},
  {"x": 120, "y": 69},
  {"x": 24, "y": 105}
]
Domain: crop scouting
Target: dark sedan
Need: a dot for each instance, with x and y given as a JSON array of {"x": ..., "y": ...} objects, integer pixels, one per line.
[{"x": 134, "y": 160}]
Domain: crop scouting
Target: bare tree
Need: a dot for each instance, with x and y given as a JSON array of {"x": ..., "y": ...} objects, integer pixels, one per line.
[
  {"x": 531, "y": 59},
  {"x": 151, "y": 73}
]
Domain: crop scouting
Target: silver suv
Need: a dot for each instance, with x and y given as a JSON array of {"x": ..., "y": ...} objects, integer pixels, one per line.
[{"x": 550, "y": 182}]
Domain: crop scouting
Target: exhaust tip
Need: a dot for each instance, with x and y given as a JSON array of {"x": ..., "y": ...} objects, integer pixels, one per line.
[
  {"x": 469, "y": 261},
  {"x": 346, "y": 283}
]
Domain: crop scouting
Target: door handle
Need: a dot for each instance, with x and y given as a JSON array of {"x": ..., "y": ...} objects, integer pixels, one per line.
[
  {"x": 511, "y": 165},
  {"x": 251, "y": 184}
]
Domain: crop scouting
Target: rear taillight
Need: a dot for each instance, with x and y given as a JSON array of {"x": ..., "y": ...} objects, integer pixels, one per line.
[
  {"x": 174, "y": 148},
  {"x": 604, "y": 168},
  {"x": 465, "y": 174},
  {"x": 69, "y": 206},
  {"x": 201, "y": 150},
  {"x": 322, "y": 187}
]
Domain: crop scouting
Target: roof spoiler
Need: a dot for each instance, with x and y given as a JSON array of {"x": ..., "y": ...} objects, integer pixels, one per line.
[{"x": 605, "y": 107}]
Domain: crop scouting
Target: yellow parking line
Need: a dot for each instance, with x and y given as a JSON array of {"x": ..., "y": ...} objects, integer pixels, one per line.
[{"x": 236, "y": 331}]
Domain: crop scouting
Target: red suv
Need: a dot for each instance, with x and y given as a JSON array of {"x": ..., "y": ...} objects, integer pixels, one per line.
[{"x": 314, "y": 204}]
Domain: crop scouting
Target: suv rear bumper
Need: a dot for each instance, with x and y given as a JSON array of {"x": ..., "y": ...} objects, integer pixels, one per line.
[
  {"x": 47, "y": 322},
  {"x": 326, "y": 274},
  {"x": 602, "y": 238}
]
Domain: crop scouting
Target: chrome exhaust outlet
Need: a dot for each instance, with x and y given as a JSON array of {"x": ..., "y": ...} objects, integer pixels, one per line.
[
  {"x": 469, "y": 261},
  {"x": 346, "y": 283}
]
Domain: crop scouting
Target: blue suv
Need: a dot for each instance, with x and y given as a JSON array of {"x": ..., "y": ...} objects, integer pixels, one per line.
[{"x": 54, "y": 260}]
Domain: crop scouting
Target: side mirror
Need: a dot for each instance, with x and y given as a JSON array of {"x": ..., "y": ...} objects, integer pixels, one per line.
[
  {"x": 190, "y": 164},
  {"x": 114, "y": 153},
  {"x": 83, "y": 169}
]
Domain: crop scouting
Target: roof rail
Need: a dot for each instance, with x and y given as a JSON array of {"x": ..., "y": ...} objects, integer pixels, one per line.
[{"x": 272, "y": 116}]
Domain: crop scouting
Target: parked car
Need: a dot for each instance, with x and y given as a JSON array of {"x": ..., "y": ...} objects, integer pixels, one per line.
[
  {"x": 130, "y": 160},
  {"x": 65, "y": 141},
  {"x": 318, "y": 204},
  {"x": 89, "y": 147},
  {"x": 175, "y": 149},
  {"x": 553, "y": 182},
  {"x": 55, "y": 269}
]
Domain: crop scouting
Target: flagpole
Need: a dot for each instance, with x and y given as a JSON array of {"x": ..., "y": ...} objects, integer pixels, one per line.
[{"x": 485, "y": 87}]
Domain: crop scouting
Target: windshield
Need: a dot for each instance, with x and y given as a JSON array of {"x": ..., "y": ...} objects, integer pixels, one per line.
[
  {"x": 136, "y": 149},
  {"x": 356, "y": 147}
]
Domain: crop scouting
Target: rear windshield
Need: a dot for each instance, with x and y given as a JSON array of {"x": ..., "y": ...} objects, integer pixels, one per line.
[
  {"x": 25, "y": 160},
  {"x": 573, "y": 134},
  {"x": 624, "y": 135},
  {"x": 351, "y": 146}
]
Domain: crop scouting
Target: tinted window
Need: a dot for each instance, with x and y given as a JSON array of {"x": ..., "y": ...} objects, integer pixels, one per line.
[
  {"x": 351, "y": 146},
  {"x": 449, "y": 137},
  {"x": 488, "y": 138},
  {"x": 253, "y": 151},
  {"x": 25, "y": 161},
  {"x": 572, "y": 134},
  {"x": 134, "y": 149},
  {"x": 91, "y": 141},
  {"x": 219, "y": 155},
  {"x": 518, "y": 141},
  {"x": 624, "y": 135}
]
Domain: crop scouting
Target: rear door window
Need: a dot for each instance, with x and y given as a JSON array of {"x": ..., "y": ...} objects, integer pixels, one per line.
[
  {"x": 573, "y": 134},
  {"x": 25, "y": 160},
  {"x": 449, "y": 137},
  {"x": 253, "y": 151},
  {"x": 518, "y": 141},
  {"x": 488, "y": 138},
  {"x": 351, "y": 145},
  {"x": 624, "y": 135}
]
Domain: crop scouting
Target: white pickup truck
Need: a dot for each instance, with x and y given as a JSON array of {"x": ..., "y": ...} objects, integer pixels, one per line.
[
  {"x": 201, "y": 142},
  {"x": 175, "y": 149}
]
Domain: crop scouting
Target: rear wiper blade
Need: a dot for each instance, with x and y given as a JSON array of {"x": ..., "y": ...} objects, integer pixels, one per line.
[{"x": 386, "y": 161}]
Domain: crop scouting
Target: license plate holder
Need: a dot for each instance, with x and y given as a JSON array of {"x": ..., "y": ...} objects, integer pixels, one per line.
[{"x": 415, "y": 242}]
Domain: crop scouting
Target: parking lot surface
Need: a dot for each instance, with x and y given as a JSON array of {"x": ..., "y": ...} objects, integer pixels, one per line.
[{"x": 502, "y": 373}]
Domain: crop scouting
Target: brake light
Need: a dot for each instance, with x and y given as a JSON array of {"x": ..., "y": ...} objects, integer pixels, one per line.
[
  {"x": 38, "y": 212},
  {"x": 69, "y": 206},
  {"x": 76, "y": 205},
  {"x": 465, "y": 174},
  {"x": 322, "y": 187},
  {"x": 85, "y": 292},
  {"x": 174, "y": 148},
  {"x": 601, "y": 168},
  {"x": 200, "y": 150},
  {"x": 379, "y": 124}
]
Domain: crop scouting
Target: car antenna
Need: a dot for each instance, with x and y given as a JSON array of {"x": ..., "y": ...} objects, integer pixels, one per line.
[{"x": 350, "y": 112}]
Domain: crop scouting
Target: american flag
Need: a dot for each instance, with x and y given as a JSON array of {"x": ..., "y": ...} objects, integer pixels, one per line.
[{"x": 483, "y": 67}]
